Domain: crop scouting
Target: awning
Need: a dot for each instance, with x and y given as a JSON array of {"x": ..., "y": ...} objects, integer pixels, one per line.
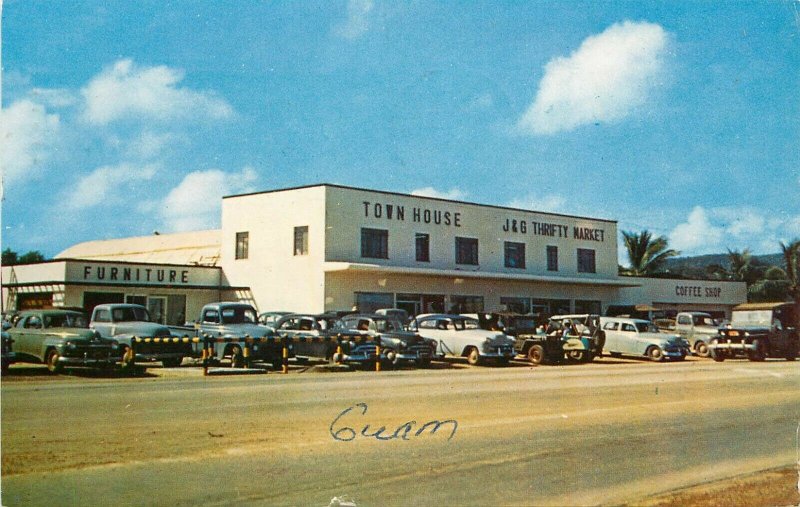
[{"x": 334, "y": 267}]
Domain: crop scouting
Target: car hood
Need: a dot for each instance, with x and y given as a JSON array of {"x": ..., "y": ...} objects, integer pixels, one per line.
[
  {"x": 252, "y": 330},
  {"x": 141, "y": 329},
  {"x": 749, "y": 329}
]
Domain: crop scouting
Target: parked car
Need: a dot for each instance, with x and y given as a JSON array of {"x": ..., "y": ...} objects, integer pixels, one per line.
[
  {"x": 637, "y": 337},
  {"x": 310, "y": 334},
  {"x": 759, "y": 331},
  {"x": 397, "y": 344},
  {"x": 61, "y": 338},
  {"x": 271, "y": 318},
  {"x": 698, "y": 328},
  {"x": 398, "y": 313},
  {"x": 530, "y": 339},
  {"x": 581, "y": 339},
  {"x": 122, "y": 322},
  {"x": 8, "y": 356},
  {"x": 461, "y": 336}
]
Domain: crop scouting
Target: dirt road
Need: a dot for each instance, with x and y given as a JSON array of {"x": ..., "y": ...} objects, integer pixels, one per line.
[{"x": 568, "y": 435}]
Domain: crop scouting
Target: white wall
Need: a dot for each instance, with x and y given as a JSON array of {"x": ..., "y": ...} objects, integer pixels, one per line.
[
  {"x": 348, "y": 213},
  {"x": 279, "y": 280}
]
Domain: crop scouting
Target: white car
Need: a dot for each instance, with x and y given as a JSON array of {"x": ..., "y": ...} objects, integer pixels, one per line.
[
  {"x": 461, "y": 336},
  {"x": 641, "y": 338}
]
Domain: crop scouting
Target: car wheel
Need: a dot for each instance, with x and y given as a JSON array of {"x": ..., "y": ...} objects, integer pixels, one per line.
[
  {"x": 655, "y": 353},
  {"x": 577, "y": 355},
  {"x": 237, "y": 358},
  {"x": 759, "y": 354},
  {"x": 701, "y": 349},
  {"x": 52, "y": 361},
  {"x": 536, "y": 355},
  {"x": 716, "y": 355},
  {"x": 172, "y": 362},
  {"x": 473, "y": 357}
]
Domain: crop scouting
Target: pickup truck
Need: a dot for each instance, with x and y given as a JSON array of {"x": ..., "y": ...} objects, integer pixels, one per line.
[
  {"x": 122, "y": 322},
  {"x": 229, "y": 319},
  {"x": 698, "y": 328}
]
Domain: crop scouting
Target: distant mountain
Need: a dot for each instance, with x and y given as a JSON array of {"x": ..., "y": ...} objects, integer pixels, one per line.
[{"x": 696, "y": 266}]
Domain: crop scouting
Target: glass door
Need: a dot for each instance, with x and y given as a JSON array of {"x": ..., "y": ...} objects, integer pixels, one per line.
[{"x": 157, "y": 306}]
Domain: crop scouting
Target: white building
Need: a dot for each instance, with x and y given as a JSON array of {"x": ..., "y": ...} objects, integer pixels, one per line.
[{"x": 330, "y": 247}]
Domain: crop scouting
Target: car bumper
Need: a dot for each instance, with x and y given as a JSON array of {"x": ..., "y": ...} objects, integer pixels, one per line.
[
  {"x": 733, "y": 346},
  {"x": 505, "y": 353},
  {"x": 151, "y": 358},
  {"x": 87, "y": 362},
  {"x": 676, "y": 353}
]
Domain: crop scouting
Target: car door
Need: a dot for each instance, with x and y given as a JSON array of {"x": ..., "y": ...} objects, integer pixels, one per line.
[
  {"x": 29, "y": 337},
  {"x": 611, "y": 330},
  {"x": 628, "y": 338}
]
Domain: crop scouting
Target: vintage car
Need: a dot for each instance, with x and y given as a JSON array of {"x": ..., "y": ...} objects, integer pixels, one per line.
[
  {"x": 698, "y": 328},
  {"x": 759, "y": 331},
  {"x": 530, "y": 339},
  {"x": 271, "y": 318},
  {"x": 61, "y": 338},
  {"x": 397, "y": 344},
  {"x": 581, "y": 339},
  {"x": 8, "y": 356},
  {"x": 122, "y": 322},
  {"x": 636, "y": 337},
  {"x": 462, "y": 336},
  {"x": 310, "y": 334}
]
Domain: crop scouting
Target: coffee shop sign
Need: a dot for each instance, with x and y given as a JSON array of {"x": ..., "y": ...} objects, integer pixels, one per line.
[{"x": 135, "y": 274}]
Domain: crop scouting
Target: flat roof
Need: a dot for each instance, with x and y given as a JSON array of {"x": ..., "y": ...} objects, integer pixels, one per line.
[{"x": 400, "y": 194}]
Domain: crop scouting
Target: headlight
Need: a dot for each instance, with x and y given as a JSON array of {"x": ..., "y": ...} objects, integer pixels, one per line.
[
  {"x": 746, "y": 333},
  {"x": 70, "y": 345}
]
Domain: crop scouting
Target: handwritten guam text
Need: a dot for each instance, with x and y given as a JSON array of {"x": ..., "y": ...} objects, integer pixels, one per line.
[{"x": 343, "y": 433}]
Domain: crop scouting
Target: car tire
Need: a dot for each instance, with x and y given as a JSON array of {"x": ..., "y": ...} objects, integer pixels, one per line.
[
  {"x": 237, "y": 358},
  {"x": 715, "y": 354},
  {"x": 53, "y": 366},
  {"x": 172, "y": 362},
  {"x": 701, "y": 349},
  {"x": 473, "y": 356},
  {"x": 655, "y": 354},
  {"x": 578, "y": 356},
  {"x": 536, "y": 355},
  {"x": 759, "y": 354}
]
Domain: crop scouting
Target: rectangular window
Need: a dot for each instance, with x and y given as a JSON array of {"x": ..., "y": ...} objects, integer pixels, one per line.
[
  {"x": 466, "y": 304},
  {"x": 586, "y": 261},
  {"x": 515, "y": 255},
  {"x": 518, "y": 305},
  {"x": 375, "y": 243},
  {"x": 423, "y": 242},
  {"x": 368, "y": 302},
  {"x": 587, "y": 306},
  {"x": 242, "y": 244},
  {"x": 552, "y": 258},
  {"x": 301, "y": 240},
  {"x": 467, "y": 251}
]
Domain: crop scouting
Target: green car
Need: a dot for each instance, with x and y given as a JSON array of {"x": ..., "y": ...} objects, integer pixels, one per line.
[{"x": 61, "y": 338}]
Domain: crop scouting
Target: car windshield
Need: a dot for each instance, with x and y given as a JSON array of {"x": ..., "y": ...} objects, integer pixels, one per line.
[
  {"x": 705, "y": 321},
  {"x": 752, "y": 317},
  {"x": 66, "y": 320},
  {"x": 646, "y": 327},
  {"x": 239, "y": 315},
  {"x": 130, "y": 314},
  {"x": 387, "y": 325}
]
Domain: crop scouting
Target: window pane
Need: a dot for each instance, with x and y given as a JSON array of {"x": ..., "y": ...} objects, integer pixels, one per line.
[
  {"x": 423, "y": 247},
  {"x": 368, "y": 302},
  {"x": 301, "y": 240},
  {"x": 552, "y": 258},
  {"x": 466, "y": 304},
  {"x": 514, "y": 255},
  {"x": 242, "y": 240},
  {"x": 586, "y": 262},
  {"x": 587, "y": 307},
  {"x": 467, "y": 251},
  {"x": 375, "y": 243}
]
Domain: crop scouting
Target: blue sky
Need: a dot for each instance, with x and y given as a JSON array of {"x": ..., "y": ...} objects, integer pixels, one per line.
[{"x": 120, "y": 118}]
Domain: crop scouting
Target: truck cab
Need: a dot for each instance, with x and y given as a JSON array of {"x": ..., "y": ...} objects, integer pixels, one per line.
[{"x": 698, "y": 328}]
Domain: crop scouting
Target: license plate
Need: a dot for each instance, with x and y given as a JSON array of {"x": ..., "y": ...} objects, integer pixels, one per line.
[{"x": 733, "y": 333}]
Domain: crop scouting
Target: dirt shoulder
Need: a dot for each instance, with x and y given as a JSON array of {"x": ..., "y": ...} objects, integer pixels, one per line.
[{"x": 768, "y": 488}]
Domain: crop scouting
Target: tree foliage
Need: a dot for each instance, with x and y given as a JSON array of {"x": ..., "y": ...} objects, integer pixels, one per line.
[
  {"x": 646, "y": 254},
  {"x": 10, "y": 257}
]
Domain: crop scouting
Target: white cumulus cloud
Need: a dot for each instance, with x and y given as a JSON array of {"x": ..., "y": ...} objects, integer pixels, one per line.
[
  {"x": 114, "y": 185},
  {"x": 125, "y": 91},
  {"x": 606, "y": 78},
  {"x": 453, "y": 194},
  {"x": 697, "y": 234},
  {"x": 28, "y": 134},
  {"x": 196, "y": 202},
  {"x": 550, "y": 203},
  {"x": 357, "y": 22}
]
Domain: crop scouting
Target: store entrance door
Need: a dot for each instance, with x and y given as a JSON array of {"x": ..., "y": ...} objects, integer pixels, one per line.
[{"x": 157, "y": 306}]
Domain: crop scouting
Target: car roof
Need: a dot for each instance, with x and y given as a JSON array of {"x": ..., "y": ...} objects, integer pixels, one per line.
[
  {"x": 50, "y": 311},
  {"x": 626, "y": 319},
  {"x": 574, "y": 316},
  {"x": 443, "y": 316}
]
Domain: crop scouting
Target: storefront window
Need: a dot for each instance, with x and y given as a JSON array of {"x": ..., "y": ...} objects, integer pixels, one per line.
[
  {"x": 368, "y": 302},
  {"x": 466, "y": 304},
  {"x": 518, "y": 305},
  {"x": 552, "y": 306},
  {"x": 514, "y": 255},
  {"x": 587, "y": 307}
]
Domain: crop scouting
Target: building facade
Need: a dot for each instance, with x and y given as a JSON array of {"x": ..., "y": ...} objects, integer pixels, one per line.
[{"x": 330, "y": 247}]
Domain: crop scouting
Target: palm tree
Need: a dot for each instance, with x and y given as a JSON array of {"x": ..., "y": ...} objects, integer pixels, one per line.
[
  {"x": 741, "y": 265},
  {"x": 791, "y": 259},
  {"x": 646, "y": 254}
]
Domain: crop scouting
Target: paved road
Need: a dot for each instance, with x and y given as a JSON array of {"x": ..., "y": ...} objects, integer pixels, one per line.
[{"x": 608, "y": 432}]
